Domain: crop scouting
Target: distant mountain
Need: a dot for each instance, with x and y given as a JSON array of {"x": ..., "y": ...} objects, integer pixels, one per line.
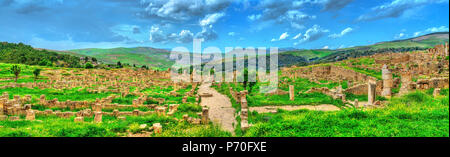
[
  {"x": 411, "y": 44},
  {"x": 139, "y": 56},
  {"x": 424, "y": 41},
  {"x": 159, "y": 58}
]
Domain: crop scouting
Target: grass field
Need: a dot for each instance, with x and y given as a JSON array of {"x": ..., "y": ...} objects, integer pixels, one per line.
[
  {"x": 157, "y": 58},
  {"x": 50, "y": 126},
  {"x": 417, "y": 114}
]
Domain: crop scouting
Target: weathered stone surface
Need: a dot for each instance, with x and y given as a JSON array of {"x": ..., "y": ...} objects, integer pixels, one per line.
[
  {"x": 371, "y": 92},
  {"x": 205, "y": 115},
  {"x": 14, "y": 118},
  {"x": 30, "y": 115},
  {"x": 78, "y": 119},
  {"x": 3, "y": 117},
  {"x": 436, "y": 92},
  {"x": 291, "y": 92},
  {"x": 122, "y": 118},
  {"x": 157, "y": 128},
  {"x": 98, "y": 117}
]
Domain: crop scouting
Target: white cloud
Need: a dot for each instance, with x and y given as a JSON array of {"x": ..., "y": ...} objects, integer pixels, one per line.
[
  {"x": 182, "y": 10},
  {"x": 206, "y": 34},
  {"x": 282, "y": 37},
  {"x": 254, "y": 17},
  {"x": 231, "y": 33},
  {"x": 432, "y": 30},
  {"x": 312, "y": 34},
  {"x": 184, "y": 36},
  {"x": 417, "y": 34},
  {"x": 325, "y": 47},
  {"x": 283, "y": 12},
  {"x": 343, "y": 32},
  {"x": 297, "y": 36},
  {"x": 395, "y": 9},
  {"x": 210, "y": 19},
  {"x": 158, "y": 36},
  {"x": 398, "y": 36},
  {"x": 437, "y": 29}
]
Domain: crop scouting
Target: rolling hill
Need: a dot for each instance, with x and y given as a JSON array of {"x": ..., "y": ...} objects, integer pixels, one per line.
[
  {"x": 159, "y": 58},
  {"x": 151, "y": 57}
]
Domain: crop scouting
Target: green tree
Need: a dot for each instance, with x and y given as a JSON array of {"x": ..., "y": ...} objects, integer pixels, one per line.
[
  {"x": 89, "y": 65},
  {"x": 119, "y": 65},
  {"x": 16, "y": 71},
  {"x": 36, "y": 74}
]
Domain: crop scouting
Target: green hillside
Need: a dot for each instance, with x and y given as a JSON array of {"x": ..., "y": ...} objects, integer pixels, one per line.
[
  {"x": 151, "y": 57},
  {"x": 25, "y": 54},
  {"x": 310, "y": 54},
  {"x": 412, "y": 44},
  {"x": 159, "y": 58}
]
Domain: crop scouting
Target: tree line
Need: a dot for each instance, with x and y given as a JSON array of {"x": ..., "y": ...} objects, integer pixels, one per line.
[{"x": 25, "y": 54}]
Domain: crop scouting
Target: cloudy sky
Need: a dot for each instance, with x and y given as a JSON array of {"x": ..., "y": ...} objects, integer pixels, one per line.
[{"x": 303, "y": 24}]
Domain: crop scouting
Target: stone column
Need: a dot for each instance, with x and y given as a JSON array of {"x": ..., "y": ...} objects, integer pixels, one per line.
[
  {"x": 372, "y": 86},
  {"x": 291, "y": 92},
  {"x": 97, "y": 108},
  {"x": 387, "y": 81},
  {"x": 98, "y": 117},
  {"x": 406, "y": 81},
  {"x": 78, "y": 119},
  {"x": 30, "y": 115},
  {"x": 436, "y": 92},
  {"x": 205, "y": 115},
  {"x": 157, "y": 128}
]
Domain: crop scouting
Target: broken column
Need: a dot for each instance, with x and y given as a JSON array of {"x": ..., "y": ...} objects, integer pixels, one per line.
[
  {"x": 291, "y": 92},
  {"x": 184, "y": 100},
  {"x": 157, "y": 128},
  {"x": 372, "y": 86},
  {"x": 78, "y": 119},
  {"x": 116, "y": 113},
  {"x": 160, "y": 110},
  {"x": 436, "y": 92},
  {"x": 30, "y": 115},
  {"x": 97, "y": 108},
  {"x": 242, "y": 96},
  {"x": 205, "y": 115},
  {"x": 406, "y": 81},
  {"x": 98, "y": 117},
  {"x": 386, "y": 74}
]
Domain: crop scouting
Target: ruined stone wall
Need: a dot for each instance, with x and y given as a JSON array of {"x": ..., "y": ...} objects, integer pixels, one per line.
[
  {"x": 361, "y": 89},
  {"x": 330, "y": 72}
]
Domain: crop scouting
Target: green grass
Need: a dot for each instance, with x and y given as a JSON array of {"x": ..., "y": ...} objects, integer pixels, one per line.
[
  {"x": 310, "y": 54},
  {"x": 417, "y": 114},
  {"x": 62, "y": 95},
  {"x": 51, "y": 126}
]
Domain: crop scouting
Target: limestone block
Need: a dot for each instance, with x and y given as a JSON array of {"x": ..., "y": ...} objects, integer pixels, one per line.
[
  {"x": 291, "y": 92},
  {"x": 97, "y": 117},
  {"x": 371, "y": 92},
  {"x": 14, "y": 118},
  {"x": 30, "y": 115},
  {"x": 79, "y": 119},
  {"x": 157, "y": 128}
]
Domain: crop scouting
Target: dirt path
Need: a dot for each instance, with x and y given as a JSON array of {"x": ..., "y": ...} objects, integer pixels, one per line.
[
  {"x": 265, "y": 109},
  {"x": 220, "y": 110}
]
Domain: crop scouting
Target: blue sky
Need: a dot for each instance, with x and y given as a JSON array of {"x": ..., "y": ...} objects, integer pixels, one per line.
[{"x": 302, "y": 24}]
